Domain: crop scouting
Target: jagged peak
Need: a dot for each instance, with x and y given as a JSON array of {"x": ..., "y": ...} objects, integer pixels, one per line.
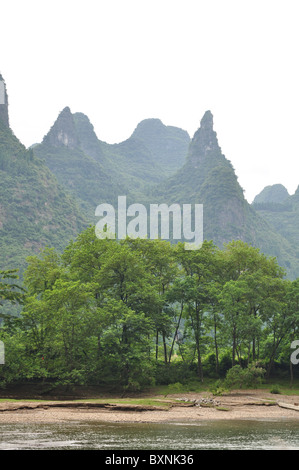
[
  {"x": 66, "y": 110},
  {"x": 207, "y": 121},
  {"x": 63, "y": 132},
  {"x": 204, "y": 142}
]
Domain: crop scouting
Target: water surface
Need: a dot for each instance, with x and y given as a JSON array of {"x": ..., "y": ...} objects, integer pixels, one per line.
[{"x": 191, "y": 435}]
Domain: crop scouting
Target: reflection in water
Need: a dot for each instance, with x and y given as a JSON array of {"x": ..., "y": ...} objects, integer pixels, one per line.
[{"x": 205, "y": 435}]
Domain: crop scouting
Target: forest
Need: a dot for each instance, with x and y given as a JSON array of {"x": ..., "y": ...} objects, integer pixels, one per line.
[{"x": 134, "y": 313}]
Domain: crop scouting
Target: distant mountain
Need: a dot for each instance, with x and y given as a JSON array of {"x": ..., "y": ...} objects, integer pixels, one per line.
[
  {"x": 276, "y": 194},
  {"x": 283, "y": 216},
  {"x": 34, "y": 209}
]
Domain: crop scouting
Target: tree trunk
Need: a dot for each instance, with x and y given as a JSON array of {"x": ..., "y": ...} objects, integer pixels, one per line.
[
  {"x": 271, "y": 362},
  {"x": 176, "y": 332},
  {"x": 99, "y": 347},
  {"x": 234, "y": 347},
  {"x": 199, "y": 364},
  {"x": 291, "y": 374},
  {"x": 216, "y": 347},
  {"x": 165, "y": 348}
]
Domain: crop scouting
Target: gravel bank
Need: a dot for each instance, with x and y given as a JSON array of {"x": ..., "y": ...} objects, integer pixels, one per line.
[{"x": 242, "y": 405}]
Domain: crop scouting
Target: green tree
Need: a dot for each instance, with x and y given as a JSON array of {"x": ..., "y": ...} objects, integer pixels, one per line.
[
  {"x": 200, "y": 267},
  {"x": 9, "y": 290},
  {"x": 246, "y": 295},
  {"x": 160, "y": 260}
]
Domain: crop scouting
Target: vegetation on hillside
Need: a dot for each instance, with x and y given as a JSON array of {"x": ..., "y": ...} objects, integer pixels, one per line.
[{"x": 35, "y": 210}]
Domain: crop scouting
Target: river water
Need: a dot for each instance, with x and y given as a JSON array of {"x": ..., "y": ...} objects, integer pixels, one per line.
[{"x": 203, "y": 435}]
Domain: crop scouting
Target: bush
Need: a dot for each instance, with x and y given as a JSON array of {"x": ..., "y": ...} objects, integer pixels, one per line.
[
  {"x": 175, "y": 388},
  {"x": 236, "y": 377},
  {"x": 217, "y": 389},
  {"x": 275, "y": 390}
]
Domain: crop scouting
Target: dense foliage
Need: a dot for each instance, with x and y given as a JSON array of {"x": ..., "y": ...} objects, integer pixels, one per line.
[{"x": 132, "y": 313}]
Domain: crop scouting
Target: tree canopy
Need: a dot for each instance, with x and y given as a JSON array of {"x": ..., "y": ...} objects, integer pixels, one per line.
[{"x": 132, "y": 313}]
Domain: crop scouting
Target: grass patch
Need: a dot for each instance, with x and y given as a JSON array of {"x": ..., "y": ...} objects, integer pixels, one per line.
[
  {"x": 222, "y": 408},
  {"x": 128, "y": 401}
]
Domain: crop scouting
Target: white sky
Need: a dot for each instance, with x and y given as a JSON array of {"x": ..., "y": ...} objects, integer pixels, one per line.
[{"x": 121, "y": 61}]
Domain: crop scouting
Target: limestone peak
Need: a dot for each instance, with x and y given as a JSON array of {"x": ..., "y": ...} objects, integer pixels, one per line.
[
  {"x": 207, "y": 121},
  {"x": 204, "y": 143},
  {"x": 63, "y": 132}
]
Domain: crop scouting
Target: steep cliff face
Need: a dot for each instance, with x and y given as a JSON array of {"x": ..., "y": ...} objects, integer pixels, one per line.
[
  {"x": 3, "y": 102},
  {"x": 204, "y": 155},
  {"x": 209, "y": 178},
  {"x": 204, "y": 147}
]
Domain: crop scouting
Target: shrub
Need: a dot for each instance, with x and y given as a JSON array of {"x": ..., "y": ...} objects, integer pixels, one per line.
[
  {"x": 275, "y": 390},
  {"x": 217, "y": 389},
  {"x": 175, "y": 388},
  {"x": 236, "y": 377}
]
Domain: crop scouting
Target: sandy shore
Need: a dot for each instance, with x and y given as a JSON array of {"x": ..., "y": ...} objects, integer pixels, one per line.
[{"x": 252, "y": 405}]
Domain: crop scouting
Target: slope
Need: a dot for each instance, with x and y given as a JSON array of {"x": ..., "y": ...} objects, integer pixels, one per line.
[{"x": 34, "y": 210}]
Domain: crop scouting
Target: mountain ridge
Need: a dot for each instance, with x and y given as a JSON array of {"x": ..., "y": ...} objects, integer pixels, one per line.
[{"x": 53, "y": 188}]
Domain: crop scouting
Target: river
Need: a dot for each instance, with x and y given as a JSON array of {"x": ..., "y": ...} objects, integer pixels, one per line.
[{"x": 197, "y": 435}]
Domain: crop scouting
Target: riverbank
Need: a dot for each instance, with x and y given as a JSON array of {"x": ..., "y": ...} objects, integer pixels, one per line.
[{"x": 237, "y": 405}]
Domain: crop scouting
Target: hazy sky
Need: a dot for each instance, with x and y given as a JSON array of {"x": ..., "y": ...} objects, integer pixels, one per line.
[{"x": 121, "y": 61}]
